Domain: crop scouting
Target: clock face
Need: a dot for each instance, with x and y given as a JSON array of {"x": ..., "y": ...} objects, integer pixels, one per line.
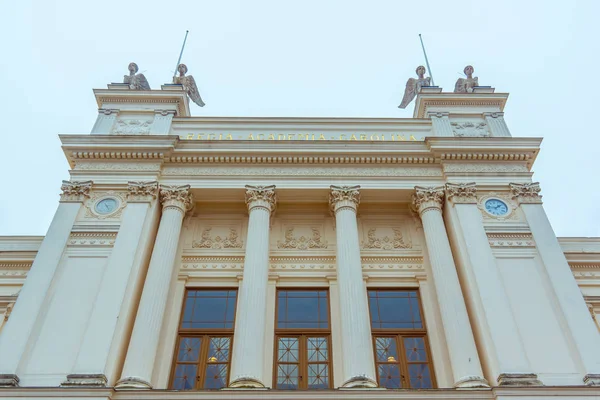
[
  {"x": 496, "y": 207},
  {"x": 106, "y": 206}
]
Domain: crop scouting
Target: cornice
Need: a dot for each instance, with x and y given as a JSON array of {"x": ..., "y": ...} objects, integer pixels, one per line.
[
  {"x": 114, "y": 97},
  {"x": 450, "y": 101}
]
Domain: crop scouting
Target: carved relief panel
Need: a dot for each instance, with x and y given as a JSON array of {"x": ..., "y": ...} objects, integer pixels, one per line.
[
  {"x": 103, "y": 207},
  {"x": 388, "y": 234},
  {"x": 302, "y": 235},
  {"x": 470, "y": 127},
  {"x": 214, "y": 234},
  {"x": 132, "y": 124}
]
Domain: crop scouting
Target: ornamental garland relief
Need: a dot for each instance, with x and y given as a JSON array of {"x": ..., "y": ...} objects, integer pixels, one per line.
[
  {"x": 131, "y": 127},
  {"x": 292, "y": 241},
  {"x": 386, "y": 242},
  {"x": 470, "y": 129},
  {"x": 207, "y": 241}
]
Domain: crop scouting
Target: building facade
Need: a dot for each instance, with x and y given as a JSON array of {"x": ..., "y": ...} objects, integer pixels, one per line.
[{"x": 254, "y": 258}]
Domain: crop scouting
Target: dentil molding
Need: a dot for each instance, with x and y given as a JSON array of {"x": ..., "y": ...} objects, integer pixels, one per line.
[{"x": 102, "y": 239}]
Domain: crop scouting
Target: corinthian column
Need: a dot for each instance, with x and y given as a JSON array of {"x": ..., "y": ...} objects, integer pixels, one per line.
[
  {"x": 139, "y": 363},
  {"x": 18, "y": 329},
  {"x": 248, "y": 344},
  {"x": 357, "y": 344},
  {"x": 455, "y": 320},
  {"x": 581, "y": 330}
]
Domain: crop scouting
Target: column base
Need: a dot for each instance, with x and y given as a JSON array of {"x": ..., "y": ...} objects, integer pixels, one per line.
[
  {"x": 132, "y": 383},
  {"x": 471, "y": 382},
  {"x": 592, "y": 379},
  {"x": 519, "y": 380},
  {"x": 247, "y": 382},
  {"x": 89, "y": 380},
  {"x": 9, "y": 380},
  {"x": 359, "y": 382}
]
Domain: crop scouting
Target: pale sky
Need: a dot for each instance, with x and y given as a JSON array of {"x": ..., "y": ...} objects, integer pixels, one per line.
[{"x": 334, "y": 58}]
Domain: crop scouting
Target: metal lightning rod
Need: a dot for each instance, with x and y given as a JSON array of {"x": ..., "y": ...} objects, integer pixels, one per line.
[
  {"x": 426, "y": 60},
  {"x": 183, "y": 46}
]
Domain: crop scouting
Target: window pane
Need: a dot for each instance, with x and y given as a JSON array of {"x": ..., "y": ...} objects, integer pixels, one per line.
[
  {"x": 189, "y": 349},
  {"x": 415, "y": 349},
  {"x": 419, "y": 376},
  {"x": 287, "y": 350},
  {"x": 185, "y": 377},
  {"x": 394, "y": 309},
  {"x": 317, "y": 349},
  {"x": 318, "y": 376},
  {"x": 209, "y": 309},
  {"x": 389, "y": 376},
  {"x": 216, "y": 376},
  {"x": 218, "y": 350},
  {"x": 302, "y": 309},
  {"x": 287, "y": 376},
  {"x": 386, "y": 350}
]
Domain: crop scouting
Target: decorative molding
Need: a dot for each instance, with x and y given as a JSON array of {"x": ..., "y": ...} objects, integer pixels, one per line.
[
  {"x": 511, "y": 240},
  {"x": 142, "y": 191},
  {"x": 470, "y": 129},
  {"x": 132, "y": 127},
  {"x": 487, "y": 156},
  {"x": 118, "y": 166},
  {"x": 92, "y": 239},
  {"x": 344, "y": 198},
  {"x": 298, "y": 160},
  {"x": 207, "y": 242},
  {"x": 86, "y": 380},
  {"x": 303, "y": 171},
  {"x": 302, "y": 242},
  {"x": 519, "y": 380},
  {"x": 511, "y": 204},
  {"x": 427, "y": 198},
  {"x": 528, "y": 193},
  {"x": 261, "y": 197},
  {"x": 75, "y": 191},
  {"x": 178, "y": 197},
  {"x": 484, "y": 168},
  {"x": 9, "y": 380},
  {"x": 96, "y": 197},
  {"x": 386, "y": 242},
  {"x": 116, "y": 155},
  {"x": 465, "y": 193},
  {"x": 144, "y": 100}
]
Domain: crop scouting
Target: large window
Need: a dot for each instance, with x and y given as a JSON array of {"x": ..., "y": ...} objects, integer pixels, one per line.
[
  {"x": 203, "y": 352},
  {"x": 303, "y": 348},
  {"x": 400, "y": 340}
]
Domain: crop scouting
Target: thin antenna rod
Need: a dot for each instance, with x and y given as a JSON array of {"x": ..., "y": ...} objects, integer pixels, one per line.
[
  {"x": 183, "y": 46},
  {"x": 426, "y": 60}
]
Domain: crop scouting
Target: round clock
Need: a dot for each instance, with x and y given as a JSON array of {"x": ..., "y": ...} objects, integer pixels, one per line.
[
  {"x": 106, "y": 206},
  {"x": 496, "y": 207}
]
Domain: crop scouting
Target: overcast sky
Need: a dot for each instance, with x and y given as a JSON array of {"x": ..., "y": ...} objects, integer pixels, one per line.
[{"x": 299, "y": 58}]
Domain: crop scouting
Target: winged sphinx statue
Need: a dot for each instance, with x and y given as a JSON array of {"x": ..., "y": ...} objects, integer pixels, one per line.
[
  {"x": 136, "y": 81},
  {"x": 189, "y": 85},
  {"x": 466, "y": 85},
  {"x": 413, "y": 86}
]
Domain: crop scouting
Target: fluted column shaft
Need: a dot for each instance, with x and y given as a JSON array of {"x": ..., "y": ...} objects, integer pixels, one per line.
[
  {"x": 466, "y": 366},
  {"x": 17, "y": 331},
  {"x": 247, "y": 363},
  {"x": 139, "y": 363},
  {"x": 357, "y": 343}
]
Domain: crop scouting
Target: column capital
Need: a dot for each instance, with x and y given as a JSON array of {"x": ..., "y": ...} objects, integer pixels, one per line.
[
  {"x": 461, "y": 193},
  {"x": 427, "y": 198},
  {"x": 526, "y": 192},
  {"x": 108, "y": 111},
  {"x": 75, "y": 191},
  {"x": 141, "y": 192},
  {"x": 164, "y": 113},
  {"x": 493, "y": 114},
  {"x": 178, "y": 197},
  {"x": 344, "y": 197},
  {"x": 438, "y": 114},
  {"x": 261, "y": 197}
]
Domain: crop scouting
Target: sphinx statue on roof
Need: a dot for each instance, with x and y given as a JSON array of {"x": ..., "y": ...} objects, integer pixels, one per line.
[
  {"x": 189, "y": 84},
  {"x": 413, "y": 86},
  {"x": 136, "y": 81}
]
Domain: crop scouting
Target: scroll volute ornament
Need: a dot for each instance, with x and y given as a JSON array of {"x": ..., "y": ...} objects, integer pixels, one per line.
[
  {"x": 261, "y": 196},
  {"x": 344, "y": 197},
  {"x": 526, "y": 192},
  {"x": 176, "y": 197},
  {"x": 75, "y": 191},
  {"x": 427, "y": 198},
  {"x": 142, "y": 191},
  {"x": 461, "y": 192}
]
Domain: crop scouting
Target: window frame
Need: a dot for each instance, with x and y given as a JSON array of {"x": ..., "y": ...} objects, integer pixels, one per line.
[
  {"x": 205, "y": 334},
  {"x": 302, "y": 334},
  {"x": 399, "y": 334}
]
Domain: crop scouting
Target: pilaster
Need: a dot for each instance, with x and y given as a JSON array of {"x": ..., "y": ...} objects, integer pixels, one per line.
[
  {"x": 105, "y": 120},
  {"x": 357, "y": 348},
  {"x": 497, "y": 124},
  {"x": 16, "y": 334},
  {"x": 441, "y": 123},
  {"x": 162, "y": 122},
  {"x": 248, "y": 359},
  {"x": 466, "y": 367},
  {"x": 581, "y": 328}
]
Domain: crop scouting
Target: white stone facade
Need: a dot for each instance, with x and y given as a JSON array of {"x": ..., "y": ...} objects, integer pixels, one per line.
[{"x": 160, "y": 203}]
